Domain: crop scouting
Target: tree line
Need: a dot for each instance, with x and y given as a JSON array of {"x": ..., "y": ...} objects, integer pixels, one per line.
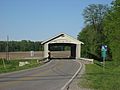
[
  {"x": 27, "y": 45},
  {"x": 23, "y": 45},
  {"x": 102, "y": 27}
]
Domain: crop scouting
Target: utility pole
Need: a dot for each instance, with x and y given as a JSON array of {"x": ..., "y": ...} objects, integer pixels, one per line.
[
  {"x": 4, "y": 63},
  {"x": 7, "y": 48}
]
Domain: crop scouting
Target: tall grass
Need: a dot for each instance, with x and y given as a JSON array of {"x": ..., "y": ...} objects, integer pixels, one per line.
[
  {"x": 97, "y": 78},
  {"x": 13, "y": 65}
]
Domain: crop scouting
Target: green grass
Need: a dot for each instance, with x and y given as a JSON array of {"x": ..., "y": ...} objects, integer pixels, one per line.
[
  {"x": 98, "y": 79},
  {"x": 13, "y": 65}
]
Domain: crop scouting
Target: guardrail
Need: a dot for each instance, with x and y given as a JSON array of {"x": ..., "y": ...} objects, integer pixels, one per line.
[{"x": 87, "y": 60}]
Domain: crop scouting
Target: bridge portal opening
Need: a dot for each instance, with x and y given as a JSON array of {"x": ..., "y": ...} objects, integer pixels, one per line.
[{"x": 62, "y": 50}]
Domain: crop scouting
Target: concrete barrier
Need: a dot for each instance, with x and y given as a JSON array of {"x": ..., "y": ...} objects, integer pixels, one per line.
[
  {"x": 23, "y": 63},
  {"x": 87, "y": 60}
]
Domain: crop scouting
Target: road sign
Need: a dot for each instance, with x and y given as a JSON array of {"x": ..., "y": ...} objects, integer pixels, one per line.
[
  {"x": 103, "y": 54},
  {"x": 31, "y": 53},
  {"x": 103, "y": 51}
]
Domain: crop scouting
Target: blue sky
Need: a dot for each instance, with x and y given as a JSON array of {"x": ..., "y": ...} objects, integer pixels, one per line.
[{"x": 40, "y": 19}]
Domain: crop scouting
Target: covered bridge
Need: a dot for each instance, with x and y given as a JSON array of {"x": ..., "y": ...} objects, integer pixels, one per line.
[{"x": 63, "y": 40}]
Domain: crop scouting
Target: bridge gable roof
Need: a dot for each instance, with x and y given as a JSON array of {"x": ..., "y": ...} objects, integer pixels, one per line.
[{"x": 62, "y": 38}]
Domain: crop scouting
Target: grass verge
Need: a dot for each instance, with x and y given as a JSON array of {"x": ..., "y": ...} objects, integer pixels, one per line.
[
  {"x": 98, "y": 79},
  {"x": 13, "y": 65}
]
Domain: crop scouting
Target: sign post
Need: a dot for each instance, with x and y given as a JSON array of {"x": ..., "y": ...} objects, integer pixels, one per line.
[
  {"x": 31, "y": 53},
  {"x": 103, "y": 54}
]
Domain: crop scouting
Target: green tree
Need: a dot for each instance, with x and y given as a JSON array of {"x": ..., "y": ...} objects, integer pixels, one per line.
[
  {"x": 112, "y": 30},
  {"x": 87, "y": 36},
  {"x": 92, "y": 34},
  {"x": 2, "y": 46},
  {"x": 94, "y": 15},
  {"x": 24, "y": 45}
]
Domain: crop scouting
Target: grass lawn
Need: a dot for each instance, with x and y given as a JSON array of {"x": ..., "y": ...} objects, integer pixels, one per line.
[
  {"x": 13, "y": 65},
  {"x": 98, "y": 79}
]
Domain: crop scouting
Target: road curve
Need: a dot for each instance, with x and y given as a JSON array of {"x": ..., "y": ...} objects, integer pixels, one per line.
[{"x": 52, "y": 76}]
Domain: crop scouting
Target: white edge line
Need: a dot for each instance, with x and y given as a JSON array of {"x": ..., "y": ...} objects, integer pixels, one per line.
[{"x": 72, "y": 77}]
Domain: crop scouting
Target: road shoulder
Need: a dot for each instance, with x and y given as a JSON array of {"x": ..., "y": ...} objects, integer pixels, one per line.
[{"x": 74, "y": 85}]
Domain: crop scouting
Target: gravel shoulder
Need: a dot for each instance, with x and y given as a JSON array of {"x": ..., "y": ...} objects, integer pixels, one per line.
[{"x": 75, "y": 83}]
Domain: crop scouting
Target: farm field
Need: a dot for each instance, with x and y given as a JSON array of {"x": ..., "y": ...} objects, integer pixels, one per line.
[{"x": 37, "y": 54}]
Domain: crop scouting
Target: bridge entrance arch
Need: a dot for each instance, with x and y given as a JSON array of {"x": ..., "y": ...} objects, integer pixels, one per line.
[{"x": 62, "y": 40}]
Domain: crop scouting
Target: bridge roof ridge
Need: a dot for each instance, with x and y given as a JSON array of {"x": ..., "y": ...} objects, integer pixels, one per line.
[{"x": 59, "y": 35}]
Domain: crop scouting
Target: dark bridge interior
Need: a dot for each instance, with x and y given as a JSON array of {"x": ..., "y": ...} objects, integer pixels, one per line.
[{"x": 62, "y": 50}]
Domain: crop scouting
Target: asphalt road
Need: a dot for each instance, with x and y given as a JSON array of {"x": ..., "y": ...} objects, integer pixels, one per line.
[{"x": 52, "y": 76}]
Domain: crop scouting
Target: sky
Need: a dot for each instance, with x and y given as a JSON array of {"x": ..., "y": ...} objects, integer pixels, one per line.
[{"x": 38, "y": 20}]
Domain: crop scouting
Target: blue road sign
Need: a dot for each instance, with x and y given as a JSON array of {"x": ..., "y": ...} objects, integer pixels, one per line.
[{"x": 103, "y": 51}]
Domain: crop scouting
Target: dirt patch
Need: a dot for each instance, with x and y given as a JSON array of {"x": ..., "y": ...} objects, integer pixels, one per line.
[
  {"x": 19, "y": 55},
  {"x": 39, "y": 54}
]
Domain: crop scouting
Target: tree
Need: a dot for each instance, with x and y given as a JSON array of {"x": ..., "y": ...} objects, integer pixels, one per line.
[
  {"x": 92, "y": 34},
  {"x": 2, "y": 46},
  {"x": 87, "y": 36},
  {"x": 24, "y": 45},
  {"x": 94, "y": 15},
  {"x": 112, "y": 30}
]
